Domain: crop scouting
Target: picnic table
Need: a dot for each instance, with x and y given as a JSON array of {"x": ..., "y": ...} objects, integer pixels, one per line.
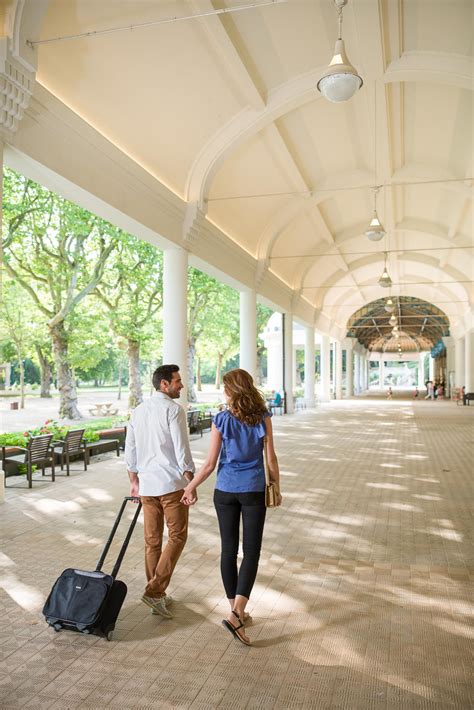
[{"x": 105, "y": 409}]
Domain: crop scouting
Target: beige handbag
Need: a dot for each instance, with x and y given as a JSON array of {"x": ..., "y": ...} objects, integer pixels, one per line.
[{"x": 272, "y": 490}]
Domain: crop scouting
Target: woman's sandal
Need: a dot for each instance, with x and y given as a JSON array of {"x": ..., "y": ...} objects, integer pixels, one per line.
[{"x": 234, "y": 630}]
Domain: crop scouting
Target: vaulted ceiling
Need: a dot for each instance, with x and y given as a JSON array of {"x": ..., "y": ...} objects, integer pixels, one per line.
[
  {"x": 409, "y": 323},
  {"x": 224, "y": 110}
]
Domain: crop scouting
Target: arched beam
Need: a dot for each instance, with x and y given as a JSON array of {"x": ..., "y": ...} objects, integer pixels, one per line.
[
  {"x": 410, "y": 227},
  {"x": 291, "y": 95},
  {"x": 440, "y": 67},
  {"x": 369, "y": 260}
]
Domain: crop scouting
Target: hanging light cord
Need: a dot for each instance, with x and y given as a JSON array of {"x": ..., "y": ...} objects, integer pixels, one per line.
[
  {"x": 339, "y": 20},
  {"x": 142, "y": 25}
]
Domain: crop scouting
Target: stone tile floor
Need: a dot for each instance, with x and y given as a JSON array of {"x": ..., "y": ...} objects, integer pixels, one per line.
[{"x": 362, "y": 598}]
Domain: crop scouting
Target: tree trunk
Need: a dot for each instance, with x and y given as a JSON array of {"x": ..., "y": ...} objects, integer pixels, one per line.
[
  {"x": 135, "y": 396},
  {"x": 259, "y": 374},
  {"x": 198, "y": 375},
  {"x": 67, "y": 390},
  {"x": 46, "y": 373},
  {"x": 151, "y": 370},
  {"x": 22, "y": 384},
  {"x": 120, "y": 368},
  {"x": 192, "y": 397},
  {"x": 218, "y": 371}
]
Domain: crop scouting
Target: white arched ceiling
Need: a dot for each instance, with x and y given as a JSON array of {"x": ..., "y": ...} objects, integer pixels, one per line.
[{"x": 224, "y": 110}]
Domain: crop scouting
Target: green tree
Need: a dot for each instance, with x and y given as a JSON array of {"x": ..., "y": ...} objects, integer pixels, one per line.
[
  {"x": 203, "y": 293},
  {"x": 132, "y": 292},
  {"x": 221, "y": 335},
  {"x": 14, "y": 326},
  {"x": 263, "y": 315},
  {"x": 56, "y": 251}
]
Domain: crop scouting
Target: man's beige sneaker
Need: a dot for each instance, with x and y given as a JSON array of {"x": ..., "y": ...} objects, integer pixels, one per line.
[
  {"x": 157, "y": 605},
  {"x": 168, "y": 601}
]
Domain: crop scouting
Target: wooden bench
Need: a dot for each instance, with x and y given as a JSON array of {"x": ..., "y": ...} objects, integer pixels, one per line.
[{"x": 98, "y": 447}]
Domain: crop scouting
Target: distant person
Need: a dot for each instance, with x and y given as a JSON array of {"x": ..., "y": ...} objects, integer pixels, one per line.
[
  {"x": 416, "y": 393},
  {"x": 463, "y": 395},
  {"x": 429, "y": 390},
  {"x": 389, "y": 393},
  {"x": 440, "y": 391},
  {"x": 160, "y": 465},
  {"x": 238, "y": 435}
]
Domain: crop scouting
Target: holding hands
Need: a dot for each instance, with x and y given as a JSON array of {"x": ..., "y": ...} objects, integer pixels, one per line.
[{"x": 189, "y": 496}]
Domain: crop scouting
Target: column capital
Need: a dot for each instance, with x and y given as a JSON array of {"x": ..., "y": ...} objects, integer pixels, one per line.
[
  {"x": 16, "y": 87},
  {"x": 261, "y": 271},
  {"x": 194, "y": 219}
]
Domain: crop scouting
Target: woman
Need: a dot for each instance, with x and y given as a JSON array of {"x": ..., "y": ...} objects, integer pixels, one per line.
[{"x": 238, "y": 435}]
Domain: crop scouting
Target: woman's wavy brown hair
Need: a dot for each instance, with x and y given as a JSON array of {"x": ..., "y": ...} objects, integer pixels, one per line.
[{"x": 245, "y": 401}]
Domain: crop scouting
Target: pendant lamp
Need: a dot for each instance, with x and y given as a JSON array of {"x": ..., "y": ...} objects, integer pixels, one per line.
[
  {"x": 389, "y": 306},
  {"x": 385, "y": 281},
  {"x": 375, "y": 231},
  {"x": 340, "y": 81}
]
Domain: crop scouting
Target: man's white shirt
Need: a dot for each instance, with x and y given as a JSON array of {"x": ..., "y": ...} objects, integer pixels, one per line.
[{"x": 157, "y": 446}]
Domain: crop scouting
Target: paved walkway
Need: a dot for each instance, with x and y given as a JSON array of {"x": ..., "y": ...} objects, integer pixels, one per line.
[{"x": 362, "y": 598}]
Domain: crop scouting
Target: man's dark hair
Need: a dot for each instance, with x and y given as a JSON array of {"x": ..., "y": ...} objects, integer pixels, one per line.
[{"x": 164, "y": 372}]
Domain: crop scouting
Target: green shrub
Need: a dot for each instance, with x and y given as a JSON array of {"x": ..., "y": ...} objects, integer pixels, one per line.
[{"x": 14, "y": 439}]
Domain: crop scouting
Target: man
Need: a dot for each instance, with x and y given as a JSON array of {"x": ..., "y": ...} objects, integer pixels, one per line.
[{"x": 160, "y": 465}]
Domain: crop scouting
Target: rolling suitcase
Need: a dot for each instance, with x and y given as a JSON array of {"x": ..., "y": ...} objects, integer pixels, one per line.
[{"x": 90, "y": 601}]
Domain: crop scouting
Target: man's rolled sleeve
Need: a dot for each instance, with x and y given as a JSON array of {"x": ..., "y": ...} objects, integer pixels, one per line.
[
  {"x": 179, "y": 435},
  {"x": 131, "y": 449}
]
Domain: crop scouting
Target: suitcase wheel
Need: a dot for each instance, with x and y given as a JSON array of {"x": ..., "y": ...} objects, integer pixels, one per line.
[
  {"x": 57, "y": 627},
  {"x": 110, "y": 635}
]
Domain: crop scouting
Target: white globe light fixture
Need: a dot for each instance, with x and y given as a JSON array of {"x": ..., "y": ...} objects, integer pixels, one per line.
[
  {"x": 393, "y": 320},
  {"x": 375, "y": 231},
  {"x": 340, "y": 81},
  {"x": 385, "y": 281},
  {"x": 389, "y": 305}
]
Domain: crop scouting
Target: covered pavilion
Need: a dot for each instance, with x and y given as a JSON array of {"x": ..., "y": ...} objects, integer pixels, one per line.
[{"x": 199, "y": 127}]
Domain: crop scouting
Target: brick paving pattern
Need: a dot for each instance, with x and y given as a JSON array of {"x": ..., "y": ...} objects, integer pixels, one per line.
[{"x": 362, "y": 598}]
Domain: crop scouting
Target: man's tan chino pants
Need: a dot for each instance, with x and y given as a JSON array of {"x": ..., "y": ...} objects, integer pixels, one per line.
[{"x": 159, "y": 564}]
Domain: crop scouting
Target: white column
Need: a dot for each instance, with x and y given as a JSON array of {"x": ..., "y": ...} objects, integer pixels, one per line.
[
  {"x": 325, "y": 372},
  {"x": 289, "y": 368},
  {"x": 295, "y": 365},
  {"x": 349, "y": 372},
  {"x": 274, "y": 344},
  {"x": 248, "y": 331},
  {"x": 449, "y": 375},
  {"x": 175, "y": 313},
  {"x": 469, "y": 361},
  {"x": 459, "y": 359},
  {"x": 356, "y": 373},
  {"x": 309, "y": 366},
  {"x": 338, "y": 369},
  {"x": 361, "y": 372},
  {"x": 432, "y": 367},
  {"x": 7, "y": 372},
  {"x": 421, "y": 371}
]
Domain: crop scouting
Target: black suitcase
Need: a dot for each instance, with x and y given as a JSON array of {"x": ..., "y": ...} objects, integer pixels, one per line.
[{"x": 90, "y": 602}]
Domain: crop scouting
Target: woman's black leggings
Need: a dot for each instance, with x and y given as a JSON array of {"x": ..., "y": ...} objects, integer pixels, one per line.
[{"x": 229, "y": 508}]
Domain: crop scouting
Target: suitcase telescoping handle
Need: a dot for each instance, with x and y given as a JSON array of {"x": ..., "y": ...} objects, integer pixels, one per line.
[{"x": 123, "y": 549}]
